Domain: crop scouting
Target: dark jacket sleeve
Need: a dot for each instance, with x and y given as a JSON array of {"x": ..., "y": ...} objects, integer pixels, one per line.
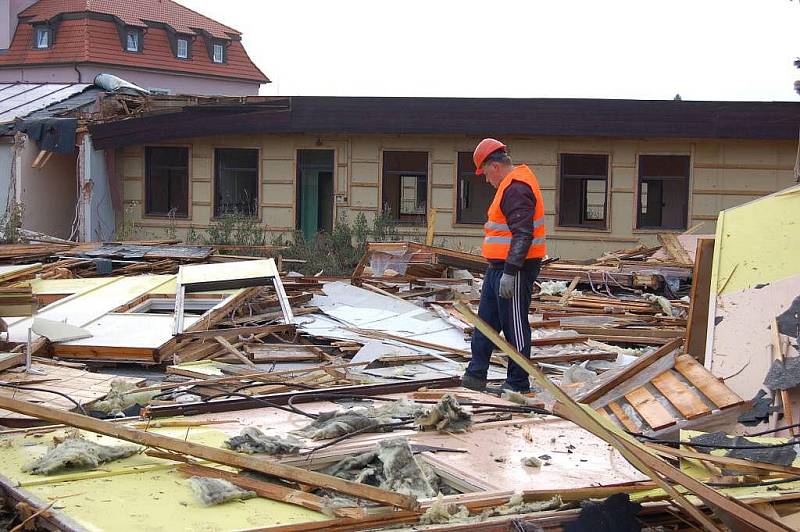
[{"x": 518, "y": 206}]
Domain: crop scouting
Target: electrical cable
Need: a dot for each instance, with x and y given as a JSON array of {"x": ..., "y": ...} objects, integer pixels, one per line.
[
  {"x": 65, "y": 396},
  {"x": 776, "y": 429},
  {"x": 716, "y": 446}
]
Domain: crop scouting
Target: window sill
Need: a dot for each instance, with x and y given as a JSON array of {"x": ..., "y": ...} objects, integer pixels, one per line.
[
  {"x": 165, "y": 217},
  {"x": 656, "y": 230},
  {"x": 585, "y": 228}
]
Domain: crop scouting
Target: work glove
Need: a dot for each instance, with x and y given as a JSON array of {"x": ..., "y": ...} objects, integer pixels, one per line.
[{"x": 506, "y": 290}]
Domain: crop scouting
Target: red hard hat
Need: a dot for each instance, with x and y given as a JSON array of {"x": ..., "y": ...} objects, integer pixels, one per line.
[{"x": 485, "y": 148}]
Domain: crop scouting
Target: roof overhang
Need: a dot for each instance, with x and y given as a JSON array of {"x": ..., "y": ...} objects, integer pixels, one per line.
[{"x": 465, "y": 116}]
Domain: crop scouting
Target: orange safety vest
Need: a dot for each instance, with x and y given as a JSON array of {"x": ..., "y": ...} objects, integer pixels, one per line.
[{"x": 497, "y": 235}]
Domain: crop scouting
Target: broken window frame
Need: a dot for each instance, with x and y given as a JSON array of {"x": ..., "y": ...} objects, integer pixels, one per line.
[
  {"x": 172, "y": 210},
  {"x": 584, "y": 221},
  {"x": 220, "y": 208},
  {"x": 422, "y": 182},
  {"x": 467, "y": 190},
  {"x": 645, "y": 188}
]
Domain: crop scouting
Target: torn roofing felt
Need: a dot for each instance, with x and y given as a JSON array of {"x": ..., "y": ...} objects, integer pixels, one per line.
[
  {"x": 783, "y": 375},
  {"x": 789, "y": 320},
  {"x": 52, "y": 134}
]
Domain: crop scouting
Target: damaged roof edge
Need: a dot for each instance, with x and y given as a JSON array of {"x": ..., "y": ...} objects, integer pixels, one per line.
[{"x": 470, "y": 116}]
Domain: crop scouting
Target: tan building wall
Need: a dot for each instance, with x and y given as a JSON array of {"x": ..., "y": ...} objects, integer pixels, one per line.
[{"x": 724, "y": 173}]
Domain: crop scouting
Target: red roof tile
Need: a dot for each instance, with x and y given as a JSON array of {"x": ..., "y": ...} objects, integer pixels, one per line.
[
  {"x": 90, "y": 40},
  {"x": 135, "y": 13}
]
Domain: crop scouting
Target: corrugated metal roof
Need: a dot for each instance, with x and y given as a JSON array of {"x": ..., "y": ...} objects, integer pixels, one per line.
[{"x": 18, "y": 100}]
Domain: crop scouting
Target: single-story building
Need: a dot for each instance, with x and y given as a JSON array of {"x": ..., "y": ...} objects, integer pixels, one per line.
[{"x": 612, "y": 172}]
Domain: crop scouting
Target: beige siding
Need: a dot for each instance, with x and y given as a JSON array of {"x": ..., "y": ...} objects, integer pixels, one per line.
[{"x": 725, "y": 173}]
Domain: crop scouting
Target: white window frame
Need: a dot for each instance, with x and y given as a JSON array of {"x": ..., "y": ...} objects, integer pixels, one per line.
[
  {"x": 185, "y": 43},
  {"x": 218, "y": 58},
  {"x": 136, "y": 41},
  {"x": 42, "y": 32}
]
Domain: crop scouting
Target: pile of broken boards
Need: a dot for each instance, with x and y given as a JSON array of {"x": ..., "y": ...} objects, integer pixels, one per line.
[{"x": 263, "y": 398}]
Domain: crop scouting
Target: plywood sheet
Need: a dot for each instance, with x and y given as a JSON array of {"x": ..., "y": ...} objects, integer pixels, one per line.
[
  {"x": 207, "y": 273},
  {"x": 149, "y": 331},
  {"x": 82, "y": 386},
  {"x": 83, "y": 308}
]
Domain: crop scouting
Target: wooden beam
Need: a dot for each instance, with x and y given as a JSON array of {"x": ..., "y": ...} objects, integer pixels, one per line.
[
  {"x": 235, "y": 352},
  {"x": 697, "y": 323},
  {"x": 270, "y": 490},
  {"x": 212, "y": 454},
  {"x": 733, "y": 463},
  {"x": 729, "y": 510},
  {"x": 236, "y": 331}
]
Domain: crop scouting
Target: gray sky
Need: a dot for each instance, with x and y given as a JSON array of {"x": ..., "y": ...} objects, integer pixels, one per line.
[{"x": 702, "y": 49}]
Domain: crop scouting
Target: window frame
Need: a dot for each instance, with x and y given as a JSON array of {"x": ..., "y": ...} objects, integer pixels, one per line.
[
  {"x": 589, "y": 225},
  {"x": 459, "y": 172},
  {"x": 139, "y": 40},
  {"x": 215, "y": 180},
  {"x": 223, "y": 55},
  {"x": 146, "y": 206},
  {"x": 411, "y": 219},
  {"x": 178, "y": 41},
  {"x": 638, "y": 187},
  {"x": 47, "y": 31}
]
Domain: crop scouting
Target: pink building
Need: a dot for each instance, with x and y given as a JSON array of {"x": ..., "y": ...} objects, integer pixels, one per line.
[{"x": 156, "y": 44}]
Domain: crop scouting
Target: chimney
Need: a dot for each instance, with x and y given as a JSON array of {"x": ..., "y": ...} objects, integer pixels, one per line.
[{"x": 9, "y": 9}]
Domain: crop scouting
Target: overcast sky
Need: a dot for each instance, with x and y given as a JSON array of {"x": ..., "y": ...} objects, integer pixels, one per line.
[{"x": 644, "y": 49}]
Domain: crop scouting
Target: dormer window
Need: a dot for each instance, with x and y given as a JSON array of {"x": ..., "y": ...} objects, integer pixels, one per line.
[
  {"x": 133, "y": 41},
  {"x": 182, "y": 48},
  {"x": 218, "y": 55},
  {"x": 42, "y": 38}
]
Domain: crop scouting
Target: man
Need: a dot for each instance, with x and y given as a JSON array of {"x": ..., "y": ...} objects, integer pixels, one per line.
[{"x": 514, "y": 244}]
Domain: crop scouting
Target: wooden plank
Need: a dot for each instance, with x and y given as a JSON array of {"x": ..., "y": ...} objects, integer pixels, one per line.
[
  {"x": 558, "y": 340},
  {"x": 641, "y": 332},
  {"x": 777, "y": 353},
  {"x": 569, "y": 290},
  {"x": 740, "y": 464},
  {"x": 572, "y": 357},
  {"x": 674, "y": 248},
  {"x": 710, "y": 386},
  {"x": 220, "y": 456},
  {"x": 629, "y": 372},
  {"x": 235, "y": 352},
  {"x": 236, "y": 331},
  {"x": 269, "y": 490},
  {"x": 734, "y": 513},
  {"x": 680, "y": 396},
  {"x": 648, "y": 407},
  {"x": 697, "y": 326},
  {"x": 624, "y": 418}
]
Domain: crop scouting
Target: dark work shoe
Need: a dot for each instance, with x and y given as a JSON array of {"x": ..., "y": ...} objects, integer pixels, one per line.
[{"x": 473, "y": 383}]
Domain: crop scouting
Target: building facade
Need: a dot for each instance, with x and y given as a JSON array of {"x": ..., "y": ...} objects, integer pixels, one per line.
[
  {"x": 157, "y": 44},
  {"x": 601, "y": 192}
]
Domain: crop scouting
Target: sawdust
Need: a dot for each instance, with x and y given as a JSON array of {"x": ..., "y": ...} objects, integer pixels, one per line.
[
  {"x": 251, "y": 441},
  {"x": 78, "y": 453},
  {"x": 213, "y": 491},
  {"x": 120, "y": 397},
  {"x": 445, "y": 416}
]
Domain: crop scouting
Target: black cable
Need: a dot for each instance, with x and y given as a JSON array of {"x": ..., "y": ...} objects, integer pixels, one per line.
[
  {"x": 718, "y": 446},
  {"x": 777, "y": 429},
  {"x": 65, "y": 396},
  {"x": 371, "y": 428}
]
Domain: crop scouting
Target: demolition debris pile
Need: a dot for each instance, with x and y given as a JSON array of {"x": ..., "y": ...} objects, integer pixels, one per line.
[{"x": 336, "y": 403}]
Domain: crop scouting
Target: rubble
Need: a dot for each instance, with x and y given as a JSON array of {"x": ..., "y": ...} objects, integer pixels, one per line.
[{"x": 357, "y": 380}]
